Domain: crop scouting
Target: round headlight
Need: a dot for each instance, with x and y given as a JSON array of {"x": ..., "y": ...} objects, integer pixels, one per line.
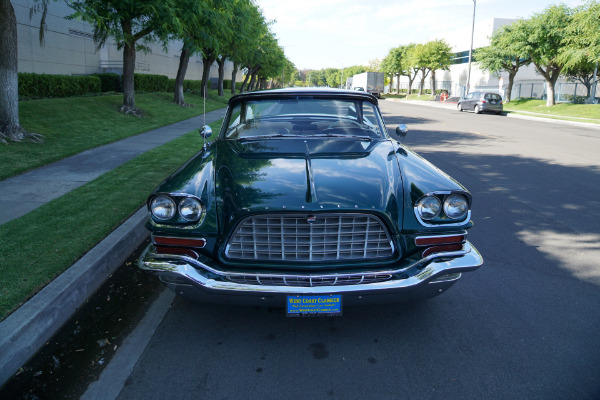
[
  {"x": 190, "y": 209},
  {"x": 456, "y": 206},
  {"x": 163, "y": 207},
  {"x": 429, "y": 207}
]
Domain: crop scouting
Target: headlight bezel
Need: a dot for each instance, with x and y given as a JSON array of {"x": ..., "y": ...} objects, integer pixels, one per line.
[
  {"x": 177, "y": 218},
  {"x": 443, "y": 219}
]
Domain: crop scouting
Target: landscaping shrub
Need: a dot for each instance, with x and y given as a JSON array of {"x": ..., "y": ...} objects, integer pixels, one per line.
[
  {"x": 42, "y": 85},
  {"x": 110, "y": 82},
  {"x": 152, "y": 83}
]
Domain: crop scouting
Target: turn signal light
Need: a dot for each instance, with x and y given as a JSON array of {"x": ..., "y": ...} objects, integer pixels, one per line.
[
  {"x": 174, "y": 241},
  {"x": 439, "y": 240}
]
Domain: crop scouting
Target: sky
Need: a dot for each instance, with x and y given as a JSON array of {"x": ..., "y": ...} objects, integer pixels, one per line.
[{"x": 319, "y": 34}]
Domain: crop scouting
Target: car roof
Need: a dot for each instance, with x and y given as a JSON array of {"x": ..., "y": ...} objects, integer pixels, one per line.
[{"x": 311, "y": 91}]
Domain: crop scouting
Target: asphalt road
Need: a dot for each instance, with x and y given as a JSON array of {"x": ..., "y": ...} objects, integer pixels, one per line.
[{"x": 526, "y": 325}]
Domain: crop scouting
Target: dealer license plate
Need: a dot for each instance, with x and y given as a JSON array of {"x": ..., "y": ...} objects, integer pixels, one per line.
[{"x": 312, "y": 306}]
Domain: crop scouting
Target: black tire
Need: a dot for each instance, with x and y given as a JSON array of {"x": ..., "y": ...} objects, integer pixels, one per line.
[
  {"x": 459, "y": 107},
  {"x": 477, "y": 109}
]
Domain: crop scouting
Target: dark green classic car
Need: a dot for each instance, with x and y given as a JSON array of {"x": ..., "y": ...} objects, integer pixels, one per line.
[{"x": 305, "y": 202}]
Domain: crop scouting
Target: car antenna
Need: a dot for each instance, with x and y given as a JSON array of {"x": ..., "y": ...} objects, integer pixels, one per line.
[{"x": 204, "y": 113}]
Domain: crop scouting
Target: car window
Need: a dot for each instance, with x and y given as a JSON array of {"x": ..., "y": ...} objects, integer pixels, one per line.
[
  {"x": 493, "y": 96},
  {"x": 303, "y": 116}
]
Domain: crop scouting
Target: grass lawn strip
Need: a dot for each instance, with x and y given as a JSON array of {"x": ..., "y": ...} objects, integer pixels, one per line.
[
  {"x": 37, "y": 247},
  {"x": 74, "y": 124}
]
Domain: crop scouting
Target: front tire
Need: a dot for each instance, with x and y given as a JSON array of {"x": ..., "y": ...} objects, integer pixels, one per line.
[
  {"x": 459, "y": 107},
  {"x": 477, "y": 109}
]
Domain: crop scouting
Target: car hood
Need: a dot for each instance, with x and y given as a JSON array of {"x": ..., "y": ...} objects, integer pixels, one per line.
[{"x": 306, "y": 175}]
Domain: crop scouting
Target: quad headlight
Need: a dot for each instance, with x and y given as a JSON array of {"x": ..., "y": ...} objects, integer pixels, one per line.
[
  {"x": 190, "y": 209},
  {"x": 442, "y": 208},
  {"x": 429, "y": 207},
  {"x": 163, "y": 207},
  {"x": 456, "y": 206}
]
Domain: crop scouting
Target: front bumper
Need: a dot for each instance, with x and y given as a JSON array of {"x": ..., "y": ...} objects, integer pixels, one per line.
[{"x": 196, "y": 280}]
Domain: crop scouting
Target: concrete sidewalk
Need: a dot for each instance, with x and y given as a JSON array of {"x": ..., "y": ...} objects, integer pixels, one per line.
[
  {"x": 24, "y": 332},
  {"x": 26, "y": 192}
]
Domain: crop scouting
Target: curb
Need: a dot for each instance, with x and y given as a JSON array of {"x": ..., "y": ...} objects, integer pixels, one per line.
[{"x": 27, "y": 329}]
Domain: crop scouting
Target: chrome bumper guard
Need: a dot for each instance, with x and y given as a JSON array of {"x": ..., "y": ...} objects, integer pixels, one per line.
[{"x": 424, "y": 278}]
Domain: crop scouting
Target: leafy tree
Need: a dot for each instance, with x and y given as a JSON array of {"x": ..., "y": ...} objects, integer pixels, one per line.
[
  {"x": 203, "y": 23},
  {"x": 544, "y": 43},
  {"x": 439, "y": 54},
  {"x": 582, "y": 73},
  {"x": 129, "y": 21},
  {"x": 582, "y": 36},
  {"x": 392, "y": 66},
  {"x": 505, "y": 53},
  {"x": 427, "y": 57},
  {"x": 10, "y": 128},
  {"x": 374, "y": 65}
]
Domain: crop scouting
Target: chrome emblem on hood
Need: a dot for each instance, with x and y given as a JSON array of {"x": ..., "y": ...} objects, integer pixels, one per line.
[{"x": 311, "y": 218}]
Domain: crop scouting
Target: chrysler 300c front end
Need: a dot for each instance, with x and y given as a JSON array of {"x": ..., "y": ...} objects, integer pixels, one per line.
[{"x": 304, "y": 201}]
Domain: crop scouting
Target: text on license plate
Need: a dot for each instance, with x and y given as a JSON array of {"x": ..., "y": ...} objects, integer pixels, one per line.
[{"x": 302, "y": 306}]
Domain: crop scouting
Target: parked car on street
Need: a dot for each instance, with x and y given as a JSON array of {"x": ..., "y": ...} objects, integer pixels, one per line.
[
  {"x": 479, "y": 102},
  {"x": 304, "y": 201}
]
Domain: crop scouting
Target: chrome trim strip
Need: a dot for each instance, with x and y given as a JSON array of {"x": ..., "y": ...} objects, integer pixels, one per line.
[
  {"x": 435, "y": 265},
  {"x": 442, "y": 225}
]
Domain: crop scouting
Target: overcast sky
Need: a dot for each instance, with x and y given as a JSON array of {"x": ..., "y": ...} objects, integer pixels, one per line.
[{"x": 339, "y": 33}]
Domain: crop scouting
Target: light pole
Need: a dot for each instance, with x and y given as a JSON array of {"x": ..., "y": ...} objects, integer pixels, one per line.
[{"x": 471, "y": 49}]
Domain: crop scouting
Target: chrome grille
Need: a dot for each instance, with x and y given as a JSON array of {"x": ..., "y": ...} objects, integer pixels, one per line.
[
  {"x": 309, "y": 281},
  {"x": 331, "y": 237}
]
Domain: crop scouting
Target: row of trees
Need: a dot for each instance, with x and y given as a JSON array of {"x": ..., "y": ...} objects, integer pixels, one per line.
[
  {"x": 558, "y": 41},
  {"x": 219, "y": 30},
  {"x": 408, "y": 60}
]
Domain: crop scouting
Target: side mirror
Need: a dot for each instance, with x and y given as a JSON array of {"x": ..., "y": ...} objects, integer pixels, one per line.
[
  {"x": 206, "y": 131},
  {"x": 401, "y": 131}
]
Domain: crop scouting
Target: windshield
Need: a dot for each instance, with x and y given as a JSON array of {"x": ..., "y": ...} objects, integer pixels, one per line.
[{"x": 305, "y": 117}]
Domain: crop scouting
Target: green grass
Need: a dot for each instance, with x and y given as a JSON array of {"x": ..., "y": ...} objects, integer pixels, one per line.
[
  {"x": 393, "y": 96},
  {"x": 36, "y": 248},
  {"x": 562, "y": 110},
  {"x": 424, "y": 97},
  {"x": 74, "y": 124}
]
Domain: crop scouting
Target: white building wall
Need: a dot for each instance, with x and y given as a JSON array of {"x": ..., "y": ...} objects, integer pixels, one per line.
[{"x": 69, "y": 48}]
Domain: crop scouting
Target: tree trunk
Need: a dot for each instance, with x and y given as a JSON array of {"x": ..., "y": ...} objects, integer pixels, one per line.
[
  {"x": 551, "y": 75},
  {"x": 398, "y": 83},
  {"x": 423, "y": 77},
  {"x": 233, "y": 76},
  {"x": 128, "y": 67},
  {"x": 221, "y": 62},
  {"x": 9, "y": 79},
  {"x": 184, "y": 60},
  {"x": 207, "y": 62},
  {"x": 252, "y": 81},
  {"x": 511, "y": 80},
  {"x": 433, "y": 88},
  {"x": 245, "y": 83}
]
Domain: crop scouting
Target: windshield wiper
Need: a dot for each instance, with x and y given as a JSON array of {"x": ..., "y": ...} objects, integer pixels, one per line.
[
  {"x": 339, "y": 135},
  {"x": 259, "y": 137}
]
